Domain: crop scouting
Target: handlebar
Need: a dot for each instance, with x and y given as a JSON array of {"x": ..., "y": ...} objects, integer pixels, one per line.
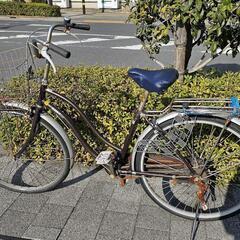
[
  {"x": 60, "y": 51},
  {"x": 47, "y": 45},
  {"x": 79, "y": 26}
]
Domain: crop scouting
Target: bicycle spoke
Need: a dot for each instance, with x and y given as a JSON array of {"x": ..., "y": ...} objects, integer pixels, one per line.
[{"x": 194, "y": 141}]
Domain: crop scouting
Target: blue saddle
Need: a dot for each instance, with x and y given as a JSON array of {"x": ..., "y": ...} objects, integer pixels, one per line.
[{"x": 154, "y": 80}]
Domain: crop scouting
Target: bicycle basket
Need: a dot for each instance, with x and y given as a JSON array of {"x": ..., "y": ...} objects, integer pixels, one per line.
[{"x": 16, "y": 73}]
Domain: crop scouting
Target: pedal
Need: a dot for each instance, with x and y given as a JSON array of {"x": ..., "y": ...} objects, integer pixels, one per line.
[{"x": 104, "y": 157}]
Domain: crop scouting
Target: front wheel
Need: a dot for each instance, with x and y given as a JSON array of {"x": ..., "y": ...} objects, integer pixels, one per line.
[
  {"x": 213, "y": 152},
  {"x": 44, "y": 163}
]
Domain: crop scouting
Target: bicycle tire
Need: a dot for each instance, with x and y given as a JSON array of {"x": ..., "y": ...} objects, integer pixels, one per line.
[
  {"x": 44, "y": 164},
  {"x": 199, "y": 134}
]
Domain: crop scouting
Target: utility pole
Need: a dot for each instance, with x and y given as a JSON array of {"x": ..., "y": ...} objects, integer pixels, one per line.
[
  {"x": 83, "y": 7},
  {"x": 102, "y": 6}
]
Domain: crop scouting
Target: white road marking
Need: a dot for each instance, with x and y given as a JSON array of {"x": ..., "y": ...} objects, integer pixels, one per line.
[
  {"x": 95, "y": 40},
  {"x": 14, "y": 37},
  {"x": 39, "y": 25},
  {"x": 132, "y": 47},
  {"x": 80, "y": 34},
  {"x": 227, "y": 51},
  {"x": 124, "y": 37},
  {"x": 27, "y": 35},
  {"x": 88, "y": 40},
  {"x": 91, "y": 38},
  {"x": 65, "y": 42},
  {"x": 139, "y": 46}
]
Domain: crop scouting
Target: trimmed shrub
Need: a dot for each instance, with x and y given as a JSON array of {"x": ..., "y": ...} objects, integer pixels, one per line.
[
  {"x": 29, "y": 9},
  {"x": 109, "y": 98}
]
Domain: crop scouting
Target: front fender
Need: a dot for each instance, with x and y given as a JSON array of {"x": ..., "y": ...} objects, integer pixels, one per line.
[
  {"x": 61, "y": 131},
  {"x": 48, "y": 119}
]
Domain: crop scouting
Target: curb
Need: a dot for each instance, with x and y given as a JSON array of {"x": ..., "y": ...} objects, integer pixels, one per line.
[
  {"x": 59, "y": 19},
  {"x": 119, "y": 17}
]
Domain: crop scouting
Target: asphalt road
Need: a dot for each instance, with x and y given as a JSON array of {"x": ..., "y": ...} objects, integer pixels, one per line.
[{"x": 105, "y": 44}]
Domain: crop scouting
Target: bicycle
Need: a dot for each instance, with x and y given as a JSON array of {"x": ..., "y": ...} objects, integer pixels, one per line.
[{"x": 187, "y": 159}]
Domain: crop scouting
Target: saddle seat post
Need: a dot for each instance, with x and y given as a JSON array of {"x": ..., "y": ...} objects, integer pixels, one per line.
[{"x": 134, "y": 124}]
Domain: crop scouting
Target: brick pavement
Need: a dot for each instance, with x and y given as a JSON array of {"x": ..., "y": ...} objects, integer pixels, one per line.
[{"x": 96, "y": 208}]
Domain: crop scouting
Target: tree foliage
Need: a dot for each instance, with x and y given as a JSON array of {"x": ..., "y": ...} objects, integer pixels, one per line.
[{"x": 213, "y": 23}]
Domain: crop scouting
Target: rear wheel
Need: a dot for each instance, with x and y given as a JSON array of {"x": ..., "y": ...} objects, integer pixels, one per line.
[
  {"x": 44, "y": 163},
  {"x": 214, "y": 154}
]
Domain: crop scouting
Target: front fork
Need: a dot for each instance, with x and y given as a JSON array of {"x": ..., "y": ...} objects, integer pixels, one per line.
[{"x": 35, "y": 115}]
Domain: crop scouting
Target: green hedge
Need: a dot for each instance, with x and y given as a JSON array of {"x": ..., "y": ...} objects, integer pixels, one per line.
[
  {"x": 29, "y": 9},
  {"x": 110, "y": 98}
]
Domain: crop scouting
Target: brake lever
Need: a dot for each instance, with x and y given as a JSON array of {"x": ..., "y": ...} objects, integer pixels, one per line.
[{"x": 48, "y": 58}]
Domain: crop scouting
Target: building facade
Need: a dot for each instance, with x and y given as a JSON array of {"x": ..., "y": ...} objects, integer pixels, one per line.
[{"x": 111, "y": 4}]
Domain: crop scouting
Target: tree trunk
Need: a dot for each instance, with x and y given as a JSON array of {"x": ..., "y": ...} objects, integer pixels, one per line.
[
  {"x": 183, "y": 43},
  {"x": 50, "y": 2}
]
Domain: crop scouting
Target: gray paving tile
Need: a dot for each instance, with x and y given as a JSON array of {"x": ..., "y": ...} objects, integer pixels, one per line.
[
  {"x": 53, "y": 216},
  {"x": 117, "y": 224},
  {"x": 123, "y": 206},
  {"x": 105, "y": 237},
  {"x": 146, "y": 200},
  {"x": 151, "y": 217},
  {"x": 31, "y": 203},
  {"x": 6, "y": 237},
  {"x": 41, "y": 233},
  {"x": 6, "y": 199},
  {"x": 217, "y": 230},
  {"x": 94, "y": 189},
  {"x": 88, "y": 213},
  {"x": 126, "y": 199},
  {"x": 78, "y": 176},
  {"x": 15, "y": 223},
  {"x": 67, "y": 196},
  {"x": 131, "y": 192},
  {"x": 235, "y": 218},
  {"x": 103, "y": 177},
  {"x": 85, "y": 226},
  {"x": 94, "y": 198},
  {"x": 143, "y": 234},
  {"x": 7, "y": 195},
  {"x": 91, "y": 207},
  {"x": 231, "y": 226},
  {"x": 183, "y": 227},
  {"x": 4, "y": 207}
]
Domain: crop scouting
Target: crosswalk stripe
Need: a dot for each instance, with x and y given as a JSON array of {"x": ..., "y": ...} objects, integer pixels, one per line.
[
  {"x": 132, "y": 47},
  {"x": 65, "y": 42},
  {"x": 38, "y": 25},
  {"x": 139, "y": 46},
  {"x": 78, "y": 34},
  {"x": 95, "y": 40},
  {"x": 226, "y": 51}
]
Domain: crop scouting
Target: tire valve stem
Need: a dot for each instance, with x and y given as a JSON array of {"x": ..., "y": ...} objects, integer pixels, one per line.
[{"x": 204, "y": 206}]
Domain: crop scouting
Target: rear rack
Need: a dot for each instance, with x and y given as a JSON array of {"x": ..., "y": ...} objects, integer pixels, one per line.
[{"x": 207, "y": 105}]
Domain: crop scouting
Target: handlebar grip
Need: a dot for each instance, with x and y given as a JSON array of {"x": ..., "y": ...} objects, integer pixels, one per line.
[
  {"x": 80, "y": 26},
  {"x": 63, "y": 52},
  {"x": 35, "y": 49}
]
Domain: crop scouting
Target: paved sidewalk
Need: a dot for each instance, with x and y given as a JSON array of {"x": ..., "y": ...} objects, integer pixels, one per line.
[
  {"x": 91, "y": 16},
  {"x": 96, "y": 208}
]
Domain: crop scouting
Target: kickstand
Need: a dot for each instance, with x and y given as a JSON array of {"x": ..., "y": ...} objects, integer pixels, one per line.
[{"x": 195, "y": 224}]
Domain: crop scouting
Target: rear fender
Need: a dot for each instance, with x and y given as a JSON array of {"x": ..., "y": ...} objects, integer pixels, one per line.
[{"x": 164, "y": 119}]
